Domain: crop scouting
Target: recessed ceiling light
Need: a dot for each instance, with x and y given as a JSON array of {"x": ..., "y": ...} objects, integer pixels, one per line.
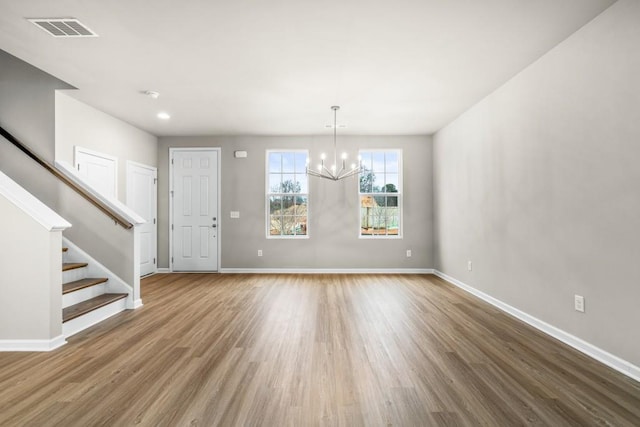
[
  {"x": 164, "y": 116},
  {"x": 151, "y": 93}
]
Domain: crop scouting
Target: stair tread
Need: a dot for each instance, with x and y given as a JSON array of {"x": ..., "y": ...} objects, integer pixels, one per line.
[
  {"x": 89, "y": 305},
  {"x": 82, "y": 283},
  {"x": 72, "y": 265}
]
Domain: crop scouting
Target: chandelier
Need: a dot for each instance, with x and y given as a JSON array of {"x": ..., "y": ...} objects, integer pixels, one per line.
[{"x": 332, "y": 172}]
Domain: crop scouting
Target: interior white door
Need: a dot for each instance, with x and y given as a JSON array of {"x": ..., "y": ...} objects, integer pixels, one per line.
[
  {"x": 195, "y": 210},
  {"x": 99, "y": 170},
  {"x": 141, "y": 197}
]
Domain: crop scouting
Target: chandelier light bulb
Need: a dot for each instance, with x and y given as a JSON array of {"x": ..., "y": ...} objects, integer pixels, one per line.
[
  {"x": 344, "y": 156},
  {"x": 353, "y": 165},
  {"x": 333, "y": 168},
  {"x": 323, "y": 156},
  {"x": 319, "y": 167}
]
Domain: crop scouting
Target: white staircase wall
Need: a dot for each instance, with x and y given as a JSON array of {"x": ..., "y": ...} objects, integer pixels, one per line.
[{"x": 30, "y": 281}]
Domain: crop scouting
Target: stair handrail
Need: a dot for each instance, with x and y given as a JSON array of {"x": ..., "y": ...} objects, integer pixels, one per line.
[{"x": 119, "y": 219}]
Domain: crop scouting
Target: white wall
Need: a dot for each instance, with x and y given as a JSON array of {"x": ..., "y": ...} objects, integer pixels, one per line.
[
  {"x": 31, "y": 279},
  {"x": 539, "y": 185},
  {"x": 78, "y": 124}
]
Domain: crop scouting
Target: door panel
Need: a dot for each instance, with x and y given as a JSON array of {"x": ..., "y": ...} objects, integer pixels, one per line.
[
  {"x": 99, "y": 170},
  {"x": 141, "y": 197},
  {"x": 195, "y": 207}
]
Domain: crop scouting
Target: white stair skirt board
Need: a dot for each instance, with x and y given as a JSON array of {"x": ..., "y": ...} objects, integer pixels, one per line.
[
  {"x": 32, "y": 345},
  {"x": 620, "y": 365},
  {"x": 114, "y": 285},
  {"x": 87, "y": 320},
  {"x": 83, "y": 294},
  {"x": 328, "y": 270}
]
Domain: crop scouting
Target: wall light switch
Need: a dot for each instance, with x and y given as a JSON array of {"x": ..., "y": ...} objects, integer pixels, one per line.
[
  {"x": 469, "y": 265},
  {"x": 235, "y": 214},
  {"x": 408, "y": 253},
  {"x": 259, "y": 252},
  {"x": 578, "y": 303}
]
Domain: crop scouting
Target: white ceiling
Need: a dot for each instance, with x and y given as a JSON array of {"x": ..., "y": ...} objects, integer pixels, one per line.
[{"x": 275, "y": 67}]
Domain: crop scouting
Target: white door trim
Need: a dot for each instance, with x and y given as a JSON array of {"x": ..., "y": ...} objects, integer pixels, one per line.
[
  {"x": 172, "y": 150},
  {"x": 130, "y": 165},
  {"x": 77, "y": 149}
]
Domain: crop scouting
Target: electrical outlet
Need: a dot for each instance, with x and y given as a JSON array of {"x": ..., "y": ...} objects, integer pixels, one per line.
[
  {"x": 578, "y": 303},
  {"x": 408, "y": 253},
  {"x": 469, "y": 265},
  {"x": 259, "y": 252}
]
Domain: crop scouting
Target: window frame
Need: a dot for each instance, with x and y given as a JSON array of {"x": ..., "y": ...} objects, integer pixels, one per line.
[
  {"x": 269, "y": 194},
  {"x": 399, "y": 194}
]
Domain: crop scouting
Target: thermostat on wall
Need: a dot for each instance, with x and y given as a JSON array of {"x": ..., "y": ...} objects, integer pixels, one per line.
[{"x": 240, "y": 154}]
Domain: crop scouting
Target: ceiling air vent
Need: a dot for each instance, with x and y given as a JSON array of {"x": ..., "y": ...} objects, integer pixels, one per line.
[{"x": 63, "y": 27}]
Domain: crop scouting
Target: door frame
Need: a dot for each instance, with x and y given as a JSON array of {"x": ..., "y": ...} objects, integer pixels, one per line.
[
  {"x": 172, "y": 150},
  {"x": 77, "y": 149},
  {"x": 130, "y": 164}
]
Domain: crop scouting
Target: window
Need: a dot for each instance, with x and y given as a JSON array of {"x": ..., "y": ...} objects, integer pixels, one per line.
[
  {"x": 381, "y": 193},
  {"x": 287, "y": 193}
]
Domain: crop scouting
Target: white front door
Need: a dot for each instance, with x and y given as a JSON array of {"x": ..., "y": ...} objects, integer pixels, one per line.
[
  {"x": 194, "y": 209},
  {"x": 141, "y": 197},
  {"x": 98, "y": 170}
]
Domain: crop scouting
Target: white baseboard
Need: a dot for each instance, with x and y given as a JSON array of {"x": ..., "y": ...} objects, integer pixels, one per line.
[
  {"x": 326, "y": 270},
  {"x": 620, "y": 365},
  {"x": 32, "y": 345},
  {"x": 163, "y": 270},
  {"x": 94, "y": 317}
]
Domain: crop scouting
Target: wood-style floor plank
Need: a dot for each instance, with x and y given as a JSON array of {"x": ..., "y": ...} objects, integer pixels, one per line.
[{"x": 298, "y": 350}]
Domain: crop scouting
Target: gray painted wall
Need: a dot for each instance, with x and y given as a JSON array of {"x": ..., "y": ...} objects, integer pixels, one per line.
[
  {"x": 27, "y": 109},
  {"x": 539, "y": 185},
  {"x": 78, "y": 124},
  {"x": 333, "y": 206}
]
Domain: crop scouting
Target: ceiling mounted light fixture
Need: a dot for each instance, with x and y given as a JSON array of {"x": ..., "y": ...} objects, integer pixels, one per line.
[
  {"x": 332, "y": 172},
  {"x": 151, "y": 93},
  {"x": 164, "y": 116}
]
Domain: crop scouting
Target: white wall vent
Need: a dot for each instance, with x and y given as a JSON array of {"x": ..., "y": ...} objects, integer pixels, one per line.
[{"x": 63, "y": 27}]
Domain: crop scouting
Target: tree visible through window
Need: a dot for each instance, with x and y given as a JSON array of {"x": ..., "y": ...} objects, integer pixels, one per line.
[
  {"x": 287, "y": 193},
  {"x": 380, "y": 193}
]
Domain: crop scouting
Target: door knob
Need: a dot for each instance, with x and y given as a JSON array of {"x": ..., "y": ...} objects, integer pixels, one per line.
[{"x": 213, "y": 225}]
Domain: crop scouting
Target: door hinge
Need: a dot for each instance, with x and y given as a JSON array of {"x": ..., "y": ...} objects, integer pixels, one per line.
[
  {"x": 154, "y": 220},
  {"x": 171, "y": 260},
  {"x": 155, "y": 180},
  {"x": 171, "y": 193},
  {"x": 154, "y": 261},
  {"x": 172, "y": 226},
  {"x": 78, "y": 166},
  {"x": 171, "y": 161}
]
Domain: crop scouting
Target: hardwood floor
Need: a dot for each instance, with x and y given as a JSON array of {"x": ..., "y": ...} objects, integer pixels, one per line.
[{"x": 305, "y": 350}]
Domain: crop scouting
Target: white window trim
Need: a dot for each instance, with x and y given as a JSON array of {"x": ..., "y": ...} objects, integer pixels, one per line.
[
  {"x": 267, "y": 194},
  {"x": 400, "y": 194}
]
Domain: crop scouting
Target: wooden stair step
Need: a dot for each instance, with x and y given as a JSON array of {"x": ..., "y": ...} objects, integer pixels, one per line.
[
  {"x": 73, "y": 265},
  {"x": 82, "y": 283},
  {"x": 89, "y": 305}
]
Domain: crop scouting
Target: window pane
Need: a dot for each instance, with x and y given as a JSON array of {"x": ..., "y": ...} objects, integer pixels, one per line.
[
  {"x": 287, "y": 205},
  {"x": 275, "y": 228},
  {"x": 301, "y": 205},
  {"x": 274, "y": 182},
  {"x": 301, "y": 179},
  {"x": 275, "y": 162},
  {"x": 275, "y": 204},
  {"x": 378, "y": 161},
  {"x": 367, "y": 181},
  {"x": 288, "y": 224},
  {"x": 288, "y": 162},
  {"x": 289, "y": 184},
  {"x": 300, "y": 227},
  {"x": 391, "y": 183},
  {"x": 301, "y": 162},
  {"x": 366, "y": 160},
  {"x": 391, "y": 162}
]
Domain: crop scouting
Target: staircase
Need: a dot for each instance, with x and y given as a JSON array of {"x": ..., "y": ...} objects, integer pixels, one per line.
[{"x": 85, "y": 300}]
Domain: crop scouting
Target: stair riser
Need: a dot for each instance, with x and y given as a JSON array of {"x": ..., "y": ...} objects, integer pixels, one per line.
[
  {"x": 82, "y": 295},
  {"x": 73, "y": 275},
  {"x": 81, "y": 323}
]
